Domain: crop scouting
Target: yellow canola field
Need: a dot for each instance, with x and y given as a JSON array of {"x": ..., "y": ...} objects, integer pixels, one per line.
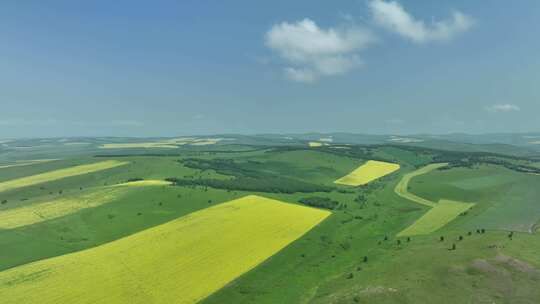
[
  {"x": 443, "y": 213},
  {"x": 59, "y": 174},
  {"x": 368, "y": 172},
  {"x": 43, "y": 211},
  {"x": 182, "y": 261},
  {"x": 146, "y": 182},
  {"x": 39, "y": 212}
]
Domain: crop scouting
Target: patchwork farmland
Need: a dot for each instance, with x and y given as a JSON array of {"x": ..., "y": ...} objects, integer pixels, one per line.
[
  {"x": 164, "y": 262},
  {"x": 241, "y": 223}
]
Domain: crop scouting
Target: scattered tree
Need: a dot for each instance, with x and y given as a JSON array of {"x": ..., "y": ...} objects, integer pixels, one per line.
[{"x": 320, "y": 202}]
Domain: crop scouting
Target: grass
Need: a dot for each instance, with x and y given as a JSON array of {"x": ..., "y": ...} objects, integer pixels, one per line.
[
  {"x": 59, "y": 174},
  {"x": 402, "y": 188},
  {"x": 484, "y": 268},
  {"x": 307, "y": 165},
  {"x": 163, "y": 262},
  {"x": 316, "y": 267},
  {"x": 368, "y": 172},
  {"x": 438, "y": 216},
  {"x": 26, "y": 163},
  {"x": 44, "y": 211},
  {"x": 505, "y": 199}
]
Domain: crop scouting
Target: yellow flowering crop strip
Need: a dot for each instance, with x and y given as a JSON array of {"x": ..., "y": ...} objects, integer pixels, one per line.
[
  {"x": 59, "y": 174},
  {"x": 367, "y": 172},
  {"x": 182, "y": 261}
]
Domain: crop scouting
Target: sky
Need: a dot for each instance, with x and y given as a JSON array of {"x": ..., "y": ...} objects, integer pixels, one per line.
[{"x": 169, "y": 68}]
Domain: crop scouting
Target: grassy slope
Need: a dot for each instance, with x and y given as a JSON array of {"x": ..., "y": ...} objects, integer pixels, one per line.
[
  {"x": 485, "y": 268},
  {"x": 505, "y": 199},
  {"x": 306, "y": 165},
  {"x": 420, "y": 271},
  {"x": 441, "y": 214},
  {"x": 320, "y": 261},
  {"x": 425, "y": 271},
  {"x": 327, "y": 252},
  {"x": 402, "y": 188}
]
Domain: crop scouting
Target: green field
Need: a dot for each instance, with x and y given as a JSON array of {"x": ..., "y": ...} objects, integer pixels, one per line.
[
  {"x": 402, "y": 188},
  {"x": 439, "y": 215},
  {"x": 505, "y": 199},
  {"x": 76, "y": 213},
  {"x": 58, "y": 174}
]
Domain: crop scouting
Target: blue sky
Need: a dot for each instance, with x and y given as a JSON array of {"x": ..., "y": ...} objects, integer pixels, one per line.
[{"x": 166, "y": 68}]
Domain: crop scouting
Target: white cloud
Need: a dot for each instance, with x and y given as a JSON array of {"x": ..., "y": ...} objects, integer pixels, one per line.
[
  {"x": 313, "y": 52},
  {"x": 503, "y": 108},
  {"x": 300, "y": 75},
  {"x": 392, "y": 16}
]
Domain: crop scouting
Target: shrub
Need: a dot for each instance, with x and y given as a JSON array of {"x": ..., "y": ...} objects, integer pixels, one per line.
[{"x": 319, "y": 202}]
